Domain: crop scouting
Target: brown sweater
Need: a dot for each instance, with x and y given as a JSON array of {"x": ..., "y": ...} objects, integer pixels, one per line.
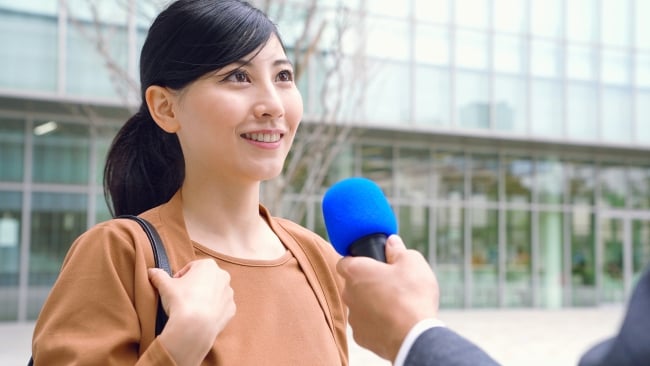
[{"x": 101, "y": 310}]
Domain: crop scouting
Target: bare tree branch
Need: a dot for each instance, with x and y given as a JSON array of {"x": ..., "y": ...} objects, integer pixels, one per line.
[{"x": 99, "y": 34}]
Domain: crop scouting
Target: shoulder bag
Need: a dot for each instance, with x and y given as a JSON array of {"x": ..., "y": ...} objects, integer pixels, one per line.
[{"x": 160, "y": 261}]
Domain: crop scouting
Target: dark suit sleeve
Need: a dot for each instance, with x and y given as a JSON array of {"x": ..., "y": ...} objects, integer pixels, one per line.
[
  {"x": 631, "y": 346},
  {"x": 442, "y": 346}
]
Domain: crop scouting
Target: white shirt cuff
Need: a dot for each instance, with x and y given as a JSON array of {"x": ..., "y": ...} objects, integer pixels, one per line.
[{"x": 419, "y": 328}]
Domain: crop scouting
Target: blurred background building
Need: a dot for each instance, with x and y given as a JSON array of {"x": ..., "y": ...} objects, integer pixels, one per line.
[{"x": 512, "y": 137}]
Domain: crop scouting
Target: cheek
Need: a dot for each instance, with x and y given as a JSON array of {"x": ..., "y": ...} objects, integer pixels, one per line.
[{"x": 294, "y": 109}]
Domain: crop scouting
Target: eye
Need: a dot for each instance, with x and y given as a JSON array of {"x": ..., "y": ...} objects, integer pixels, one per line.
[
  {"x": 285, "y": 76},
  {"x": 238, "y": 76}
]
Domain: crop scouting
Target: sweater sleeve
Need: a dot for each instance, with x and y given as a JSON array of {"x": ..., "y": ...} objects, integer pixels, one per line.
[{"x": 94, "y": 314}]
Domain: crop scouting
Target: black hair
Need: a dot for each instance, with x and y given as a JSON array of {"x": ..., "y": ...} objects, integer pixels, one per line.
[{"x": 190, "y": 38}]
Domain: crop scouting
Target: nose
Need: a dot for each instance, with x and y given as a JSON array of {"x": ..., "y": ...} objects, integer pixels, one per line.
[{"x": 269, "y": 102}]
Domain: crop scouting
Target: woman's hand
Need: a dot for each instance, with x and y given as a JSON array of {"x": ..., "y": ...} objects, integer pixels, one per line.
[{"x": 199, "y": 303}]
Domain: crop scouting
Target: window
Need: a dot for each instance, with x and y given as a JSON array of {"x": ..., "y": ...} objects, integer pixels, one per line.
[
  {"x": 336, "y": 88},
  {"x": 519, "y": 179},
  {"x": 509, "y": 54},
  {"x": 12, "y": 146},
  {"x": 581, "y": 178},
  {"x": 639, "y": 187},
  {"x": 485, "y": 257},
  {"x": 642, "y": 104},
  {"x": 432, "y": 101},
  {"x": 546, "y": 109},
  {"x": 616, "y": 66},
  {"x": 387, "y": 7},
  {"x": 342, "y": 167},
  {"x": 471, "y": 50},
  {"x": 582, "y": 23},
  {"x": 546, "y": 59},
  {"x": 642, "y": 32},
  {"x": 547, "y": 18},
  {"x": 413, "y": 174},
  {"x": 388, "y": 96},
  {"x": 582, "y": 118},
  {"x": 57, "y": 220},
  {"x": 510, "y": 104},
  {"x": 449, "y": 175},
  {"x": 583, "y": 257},
  {"x": 616, "y": 27},
  {"x": 509, "y": 15},
  {"x": 377, "y": 165},
  {"x": 432, "y": 11},
  {"x": 551, "y": 249},
  {"x": 61, "y": 153},
  {"x": 431, "y": 44},
  {"x": 472, "y": 100},
  {"x": 103, "y": 142},
  {"x": 88, "y": 73},
  {"x": 472, "y": 13},
  {"x": 643, "y": 69},
  {"x": 10, "y": 244},
  {"x": 450, "y": 243},
  {"x": 518, "y": 259},
  {"x": 414, "y": 227},
  {"x": 549, "y": 173},
  {"x": 613, "y": 185},
  {"x": 387, "y": 39},
  {"x": 485, "y": 179},
  {"x": 29, "y": 51},
  {"x": 616, "y": 109},
  {"x": 581, "y": 62}
]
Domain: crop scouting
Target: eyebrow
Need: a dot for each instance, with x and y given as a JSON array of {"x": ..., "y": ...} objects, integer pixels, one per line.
[
  {"x": 283, "y": 61},
  {"x": 240, "y": 63},
  {"x": 278, "y": 62}
]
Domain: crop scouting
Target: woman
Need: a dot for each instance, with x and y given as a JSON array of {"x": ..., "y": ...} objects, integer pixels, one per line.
[{"x": 220, "y": 111}]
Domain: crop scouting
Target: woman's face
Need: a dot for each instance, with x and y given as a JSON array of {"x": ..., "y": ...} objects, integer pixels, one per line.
[{"x": 239, "y": 122}]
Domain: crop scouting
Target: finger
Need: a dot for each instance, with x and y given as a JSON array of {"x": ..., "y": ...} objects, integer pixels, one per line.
[
  {"x": 394, "y": 248},
  {"x": 158, "y": 277},
  {"x": 184, "y": 270},
  {"x": 358, "y": 267},
  {"x": 342, "y": 267}
]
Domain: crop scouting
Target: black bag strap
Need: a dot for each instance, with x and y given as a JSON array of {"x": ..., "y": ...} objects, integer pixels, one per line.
[{"x": 160, "y": 261}]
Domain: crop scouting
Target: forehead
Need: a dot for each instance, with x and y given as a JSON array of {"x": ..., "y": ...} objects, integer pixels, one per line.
[{"x": 270, "y": 51}]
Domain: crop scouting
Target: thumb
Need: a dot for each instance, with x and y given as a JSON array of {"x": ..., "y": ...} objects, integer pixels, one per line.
[{"x": 394, "y": 248}]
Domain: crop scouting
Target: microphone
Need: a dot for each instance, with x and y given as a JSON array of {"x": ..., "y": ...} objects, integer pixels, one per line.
[{"x": 358, "y": 218}]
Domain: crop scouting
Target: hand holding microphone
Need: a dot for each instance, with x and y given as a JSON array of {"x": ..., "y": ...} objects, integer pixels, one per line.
[
  {"x": 388, "y": 288},
  {"x": 385, "y": 300}
]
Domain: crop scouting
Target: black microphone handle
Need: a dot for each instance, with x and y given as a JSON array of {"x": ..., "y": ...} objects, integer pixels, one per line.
[{"x": 373, "y": 246}]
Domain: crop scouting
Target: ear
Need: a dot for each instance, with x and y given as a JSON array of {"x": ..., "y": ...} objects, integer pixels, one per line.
[{"x": 160, "y": 102}]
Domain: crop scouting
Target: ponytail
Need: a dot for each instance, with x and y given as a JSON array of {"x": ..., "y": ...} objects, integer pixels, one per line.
[{"x": 144, "y": 167}]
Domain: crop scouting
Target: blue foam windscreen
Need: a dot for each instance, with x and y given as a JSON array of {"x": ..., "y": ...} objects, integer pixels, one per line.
[{"x": 354, "y": 208}]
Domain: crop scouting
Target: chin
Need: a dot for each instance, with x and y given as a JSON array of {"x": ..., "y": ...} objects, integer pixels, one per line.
[{"x": 264, "y": 174}]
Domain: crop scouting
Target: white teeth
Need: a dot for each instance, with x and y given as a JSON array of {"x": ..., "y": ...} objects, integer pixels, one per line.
[{"x": 263, "y": 137}]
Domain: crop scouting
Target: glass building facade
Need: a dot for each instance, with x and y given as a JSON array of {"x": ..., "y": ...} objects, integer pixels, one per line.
[{"x": 512, "y": 137}]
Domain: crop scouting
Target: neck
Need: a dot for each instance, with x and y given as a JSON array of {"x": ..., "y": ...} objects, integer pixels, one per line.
[
  {"x": 228, "y": 207},
  {"x": 225, "y": 218}
]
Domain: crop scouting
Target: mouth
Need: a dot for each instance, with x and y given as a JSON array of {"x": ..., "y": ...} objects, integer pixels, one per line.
[{"x": 263, "y": 137}]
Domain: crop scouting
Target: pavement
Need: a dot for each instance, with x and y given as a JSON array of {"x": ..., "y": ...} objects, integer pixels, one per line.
[{"x": 517, "y": 337}]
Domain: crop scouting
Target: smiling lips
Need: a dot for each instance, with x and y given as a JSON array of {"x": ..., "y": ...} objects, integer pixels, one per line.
[{"x": 263, "y": 137}]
